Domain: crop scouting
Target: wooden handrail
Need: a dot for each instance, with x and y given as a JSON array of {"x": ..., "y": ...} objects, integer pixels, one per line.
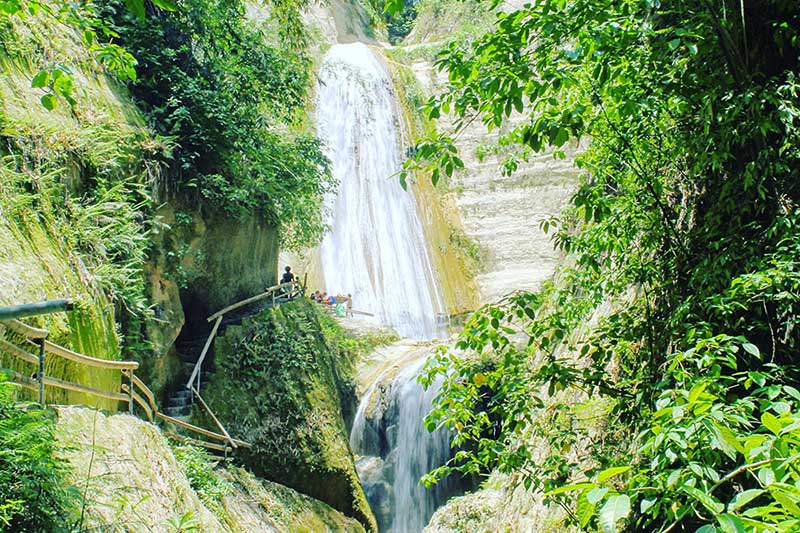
[
  {"x": 25, "y": 330},
  {"x": 148, "y": 403},
  {"x": 221, "y": 313},
  {"x": 21, "y": 379},
  {"x": 250, "y": 300},
  {"x": 19, "y": 352},
  {"x": 214, "y": 417},
  {"x": 139, "y": 400},
  {"x": 194, "y": 442},
  {"x": 109, "y": 364},
  {"x": 33, "y": 384},
  {"x": 61, "y": 384},
  {"x": 200, "y": 359},
  {"x": 138, "y": 383},
  {"x": 199, "y": 430},
  {"x": 67, "y": 385}
]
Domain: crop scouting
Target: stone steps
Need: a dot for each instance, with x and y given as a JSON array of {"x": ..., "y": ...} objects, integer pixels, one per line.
[{"x": 180, "y": 401}]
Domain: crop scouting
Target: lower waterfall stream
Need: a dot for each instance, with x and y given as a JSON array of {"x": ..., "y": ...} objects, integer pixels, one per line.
[
  {"x": 394, "y": 448},
  {"x": 376, "y": 251}
]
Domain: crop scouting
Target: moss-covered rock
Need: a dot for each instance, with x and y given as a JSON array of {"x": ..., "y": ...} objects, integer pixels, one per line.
[
  {"x": 286, "y": 509},
  {"x": 472, "y": 513},
  {"x": 55, "y": 218},
  {"x": 282, "y": 386},
  {"x": 131, "y": 480}
]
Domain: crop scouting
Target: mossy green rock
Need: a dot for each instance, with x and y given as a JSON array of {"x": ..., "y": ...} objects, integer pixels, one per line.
[
  {"x": 48, "y": 159},
  {"x": 133, "y": 482},
  {"x": 280, "y": 386}
]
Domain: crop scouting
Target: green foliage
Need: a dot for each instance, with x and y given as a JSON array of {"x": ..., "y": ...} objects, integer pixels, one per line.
[
  {"x": 198, "y": 466},
  {"x": 34, "y": 494},
  {"x": 183, "y": 523},
  {"x": 105, "y": 225},
  {"x": 233, "y": 103},
  {"x": 56, "y": 80},
  {"x": 398, "y": 18},
  {"x": 475, "y": 256},
  {"x": 283, "y": 385},
  {"x": 683, "y": 239}
]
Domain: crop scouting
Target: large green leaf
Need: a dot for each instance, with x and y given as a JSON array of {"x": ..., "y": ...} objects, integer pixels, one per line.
[
  {"x": 136, "y": 7},
  {"x": 41, "y": 79},
  {"x": 608, "y": 473},
  {"x": 616, "y": 508},
  {"x": 743, "y": 498},
  {"x": 49, "y": 101},
  {"x": 708, "y": 501},
  {"x": 730, "y": 523}
]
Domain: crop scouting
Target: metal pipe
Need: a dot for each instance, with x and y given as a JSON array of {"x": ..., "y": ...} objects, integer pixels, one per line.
[{"x": 38, "y": 308}]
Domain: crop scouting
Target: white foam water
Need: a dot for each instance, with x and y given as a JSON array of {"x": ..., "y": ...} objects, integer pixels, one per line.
[{"x": 376, "y": 248}]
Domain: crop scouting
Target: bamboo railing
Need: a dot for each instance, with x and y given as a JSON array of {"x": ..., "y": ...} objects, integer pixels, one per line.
[
  {"x": 291, "y": 290},
  {"x": 132, "y": 392}
]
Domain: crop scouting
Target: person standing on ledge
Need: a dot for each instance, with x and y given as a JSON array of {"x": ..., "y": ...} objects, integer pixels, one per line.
[{"x": 288, "y": 277}]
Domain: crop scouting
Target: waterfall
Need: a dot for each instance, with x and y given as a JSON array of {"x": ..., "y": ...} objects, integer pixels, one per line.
[
  {"x": 396, "y": 450},
  {"x": 375, "y": 249}
]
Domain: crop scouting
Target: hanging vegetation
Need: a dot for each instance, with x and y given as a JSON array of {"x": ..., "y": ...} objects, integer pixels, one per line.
[{"x": 684, "y": 241}]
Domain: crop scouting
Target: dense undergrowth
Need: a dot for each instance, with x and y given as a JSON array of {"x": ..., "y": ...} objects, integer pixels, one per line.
[
  {"x": 198, "y": 465},
  {"x": 231, "y": 96},
  {"x": 676, "y": 319},
  {"x": 34, "y": 495}
]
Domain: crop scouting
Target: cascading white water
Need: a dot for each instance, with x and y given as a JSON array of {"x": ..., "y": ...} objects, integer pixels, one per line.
[
  {"x": 396, "y": 450},
  {"x": 376, "y": 249},
  {"x": 418, "y": 452}
]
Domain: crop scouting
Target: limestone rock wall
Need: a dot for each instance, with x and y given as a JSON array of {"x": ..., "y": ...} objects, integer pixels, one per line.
[
  {"x": 133, "y": 482},
  {"x": 503, "y": 214}
]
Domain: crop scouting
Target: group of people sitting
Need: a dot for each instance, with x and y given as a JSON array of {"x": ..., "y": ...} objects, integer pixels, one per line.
[{"x": 341, "y": 304}]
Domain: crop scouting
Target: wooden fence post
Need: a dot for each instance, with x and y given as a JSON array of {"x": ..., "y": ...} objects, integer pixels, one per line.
[
  {"x": 130, "y": 392},
  {"x": 41, "y": 372}
]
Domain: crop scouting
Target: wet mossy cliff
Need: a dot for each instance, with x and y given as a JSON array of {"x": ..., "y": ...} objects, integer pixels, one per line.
[
  {"x": 71, "y": 195},
  {"x": 284, "y": 384}
]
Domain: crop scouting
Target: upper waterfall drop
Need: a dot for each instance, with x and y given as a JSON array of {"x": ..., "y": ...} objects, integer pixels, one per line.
[{"x": 376, "y": 249}]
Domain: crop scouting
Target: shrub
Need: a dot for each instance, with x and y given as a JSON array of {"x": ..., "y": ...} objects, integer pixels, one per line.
[{"x": 34, "y": 495}]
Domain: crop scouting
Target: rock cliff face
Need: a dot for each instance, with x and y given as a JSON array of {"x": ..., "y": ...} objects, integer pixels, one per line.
[
  {"x": 200, "y": 263},
  {"x": 46, "y": 160},
  {"x": 133, "y": 482},
  {"x": 503, "y": 214}
]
